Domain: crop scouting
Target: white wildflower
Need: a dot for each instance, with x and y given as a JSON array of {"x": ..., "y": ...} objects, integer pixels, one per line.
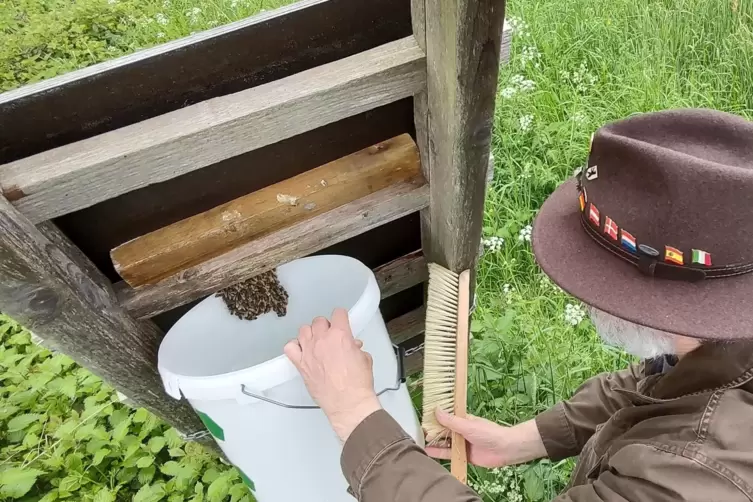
[
  {"x": 525, "y": 234},
  {"x": 213, "y": 23},
  {"x": 529, "y": 54},
  {"x": 166, "y": 4},
  {"x": 234, "y": 4},
  {"x": 193, "y": 14},
  {"x": 574, "y": 314},
  {"x": 493, "y": 243},
  {"x": 161, "y": 18},
  {"x": 509, "y": 92},
  {"x": 160, "y": 35},
  {"x": 112, "y": 2},
  {"x": 579, "y": 118},
  {"x": 518, "y": 27},
  {"x": 526, "y": 122},
  {"x": 506, "y": 289}
]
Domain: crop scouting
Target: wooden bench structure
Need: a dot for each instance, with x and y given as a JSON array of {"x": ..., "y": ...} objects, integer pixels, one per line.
[{"x": 339, "y": 126}]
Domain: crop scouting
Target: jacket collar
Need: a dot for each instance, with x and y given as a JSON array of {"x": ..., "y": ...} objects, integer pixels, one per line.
[{"x": 712, "y": 366}]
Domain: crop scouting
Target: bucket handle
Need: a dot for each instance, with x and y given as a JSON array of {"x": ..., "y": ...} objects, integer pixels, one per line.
[{"x": 399, "y": 352}]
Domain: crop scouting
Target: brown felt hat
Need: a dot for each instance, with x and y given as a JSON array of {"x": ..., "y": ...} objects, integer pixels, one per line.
[{"x": 657, "y": 228}]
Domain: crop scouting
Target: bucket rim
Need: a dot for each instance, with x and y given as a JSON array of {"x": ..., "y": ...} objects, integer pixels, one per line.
[{"x": 274, "y": 371}]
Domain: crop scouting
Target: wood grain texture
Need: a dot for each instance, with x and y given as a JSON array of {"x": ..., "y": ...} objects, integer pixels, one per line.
[
  {"x": 459, "y": 461},
  {"x": 267, "y": 252},
  {"x": 226, "y": 59},
  {"x": 98, "y": 229},
  {"x": 167, "y": 251},
  {"x": 79, "y": 175},
  {"x": 401, "y": 273},
  {"x": 407, "y": 326},
  {"x": 414, "y": 363},
  {"x": 462, "y": 68},
  {"x": 50, "y": 294},
  {"x": 504, "y": 52}
]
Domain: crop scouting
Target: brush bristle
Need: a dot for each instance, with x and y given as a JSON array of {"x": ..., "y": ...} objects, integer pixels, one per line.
[{"x": 440, "y": 348}]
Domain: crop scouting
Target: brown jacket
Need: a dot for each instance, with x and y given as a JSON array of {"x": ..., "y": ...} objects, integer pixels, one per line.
[{"x": 642, "y": 435}]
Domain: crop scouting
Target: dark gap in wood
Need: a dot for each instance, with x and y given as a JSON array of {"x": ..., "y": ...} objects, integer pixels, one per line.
[
  {"x": 98, "y": 229},
  {"x": 376, "y": 247},
  {"x": 226, "y": 63}
]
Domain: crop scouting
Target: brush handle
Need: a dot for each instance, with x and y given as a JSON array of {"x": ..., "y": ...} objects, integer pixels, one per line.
[{"x": 459, "y": 460}]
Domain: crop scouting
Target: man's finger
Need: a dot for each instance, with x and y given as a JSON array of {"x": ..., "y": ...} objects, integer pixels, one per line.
[
  {"x": 359, "y": 344},
  {"x": 340, "y": 320},
  {"x": 439, "y": 453},
  {"x": 320, "y": 326},
  {"x": 462, "y": 426},
  {"x": 293, "y": 351},
  {"x": 305, "y": 336}
]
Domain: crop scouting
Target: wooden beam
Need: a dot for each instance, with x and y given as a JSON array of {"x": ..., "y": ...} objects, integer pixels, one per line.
[
  {"x": 407, "y": 326},
  {"x": 463, "y": 60},
  {"x": 187, "y": 243},
  {"x": 81, "y": 174},
  {"x": 76, "y": 313},
  {"x": 402, "y": 273},
  {"x": 269, "y": 251},
  {"x": 414, "y": 363}
]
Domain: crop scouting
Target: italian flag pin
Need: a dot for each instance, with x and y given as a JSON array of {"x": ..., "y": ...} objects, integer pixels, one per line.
[{"x": 701, "y": 257}]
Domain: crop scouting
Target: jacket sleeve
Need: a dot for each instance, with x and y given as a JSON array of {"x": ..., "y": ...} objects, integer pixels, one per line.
[
  {"x": 659, "y": 474},
  {"x": 381, "y": 462},
  {"x": 566, "y": 427}
]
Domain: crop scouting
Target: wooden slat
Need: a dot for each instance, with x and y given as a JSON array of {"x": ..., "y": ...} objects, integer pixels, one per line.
[
  {"x": 49, "y": 293},
  {"x": 267, "y": 252},
  {"x": 414, "y": 363},
  {"x": 78, "y": 175},
  {"x": 260, "y": 49},
  {"x": 187, "y": 243},
  {"x": 462, "y": 68},
  {"x": 402, "y": 273},
  {"x": 407, "y": 326}
]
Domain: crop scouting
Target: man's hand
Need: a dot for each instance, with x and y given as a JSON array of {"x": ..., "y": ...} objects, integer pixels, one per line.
[
  {"x": 337, "y": 373},
  {"x": 492, "y": 445}
]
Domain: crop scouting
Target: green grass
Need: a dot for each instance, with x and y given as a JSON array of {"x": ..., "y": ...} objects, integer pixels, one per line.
[{"x": 588, "y": 61}]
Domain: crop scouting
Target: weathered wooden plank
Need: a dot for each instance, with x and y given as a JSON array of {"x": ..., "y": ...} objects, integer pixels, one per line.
[
  {"x": 227, "y": 59},
  {"x": 401, "y": 273},
  {"x": 462, "y": 68},
  {"x": 414, "y": 363},
  {"x": 98, "y": 229},
  {"x": 407, "y": 326},
  {"x": 79, "y": 175},
  {"x": 266, "y": 252},
  {"x": 46, "y": 291},
  {"x": 504, "y": 52},
  {"x": 187, "y": 243}
]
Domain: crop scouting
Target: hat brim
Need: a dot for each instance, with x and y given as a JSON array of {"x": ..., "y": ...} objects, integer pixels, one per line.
[{"x": 720, "y": 309}]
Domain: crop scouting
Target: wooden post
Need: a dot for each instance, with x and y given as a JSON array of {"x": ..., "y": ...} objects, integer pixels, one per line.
[
  {"x": 463, "y": 41},
  {"x": 58, "y": 294}
]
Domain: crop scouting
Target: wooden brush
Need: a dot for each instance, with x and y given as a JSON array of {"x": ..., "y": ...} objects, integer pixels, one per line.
[{"x": 446, "y": 358}]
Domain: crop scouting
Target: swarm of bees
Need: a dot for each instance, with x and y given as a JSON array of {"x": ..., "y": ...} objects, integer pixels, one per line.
[{"x": 256, "y": 296}]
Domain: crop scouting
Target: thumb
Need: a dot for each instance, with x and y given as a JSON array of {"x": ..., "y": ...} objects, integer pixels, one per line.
[
  {"x": 462, "y": 426},
  {"x": 293, "y": 351}
]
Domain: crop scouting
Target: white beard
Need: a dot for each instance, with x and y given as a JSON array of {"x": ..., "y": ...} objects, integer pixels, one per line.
[{"x": 634, "y": 339}]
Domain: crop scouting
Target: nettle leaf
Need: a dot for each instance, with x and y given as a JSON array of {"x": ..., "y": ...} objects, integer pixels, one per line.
[
  {"x": 99, "y": 456},
  {"x": 237, "y": 492},
  {"x": 157, "y": 443},
  {"x": 145, "y": 461},
  {"x": 210, "y": 475},
  {"x": 70, "y": 483},
  {"x": 75, "y": 462},
  {"x": 16, "y": 481},
  {"x": 176, "y": 452},
  {"x": 140, "y": 416},
  {"x": 104, "y": 495},
  {"x": 127, "y": 474},
  {"x": 21, "y": 422},
  {"x": 66, "y": 429},
  {"x": 148, "y": 426},
  {"x": 118, "y": 416},
  {"x": 533, "y": 484},
  {"x": 170, "y": 468},
  {"x": 173, "y": 438},
  {"x": 150, "y": 493},
  {"x": 65, "y": 386},
  {"x": 176, "y": 497},
  {"x": 7, "y": 410},
  {"x": 146, "y": 475},
  {"x": 219, "y": 488},
  {"x": 121, "y": 430}
]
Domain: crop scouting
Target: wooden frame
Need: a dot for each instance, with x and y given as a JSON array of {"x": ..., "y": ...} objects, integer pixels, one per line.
[{"x": 370, "y": 72}]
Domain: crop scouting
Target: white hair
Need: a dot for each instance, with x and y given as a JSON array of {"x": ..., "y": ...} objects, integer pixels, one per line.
[{"x": 635, "y": 339}]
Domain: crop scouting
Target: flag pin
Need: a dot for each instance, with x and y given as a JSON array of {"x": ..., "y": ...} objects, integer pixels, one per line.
[
  {"x": 701, "y": 257},
  {"x": 592, "y": 173}
]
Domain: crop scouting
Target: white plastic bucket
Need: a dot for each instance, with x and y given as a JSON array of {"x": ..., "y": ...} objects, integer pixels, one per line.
[{"x": 209, "y": 355}]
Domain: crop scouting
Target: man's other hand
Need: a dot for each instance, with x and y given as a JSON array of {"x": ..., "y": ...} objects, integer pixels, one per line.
[
  {"x": 337, "y": 373},
  {"x": 492, "y": 445}
]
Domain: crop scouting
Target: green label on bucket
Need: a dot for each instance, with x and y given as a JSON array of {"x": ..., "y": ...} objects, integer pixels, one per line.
[
  {"x": 212, "y": 426},
  {"x": 247, "y": 480}
]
